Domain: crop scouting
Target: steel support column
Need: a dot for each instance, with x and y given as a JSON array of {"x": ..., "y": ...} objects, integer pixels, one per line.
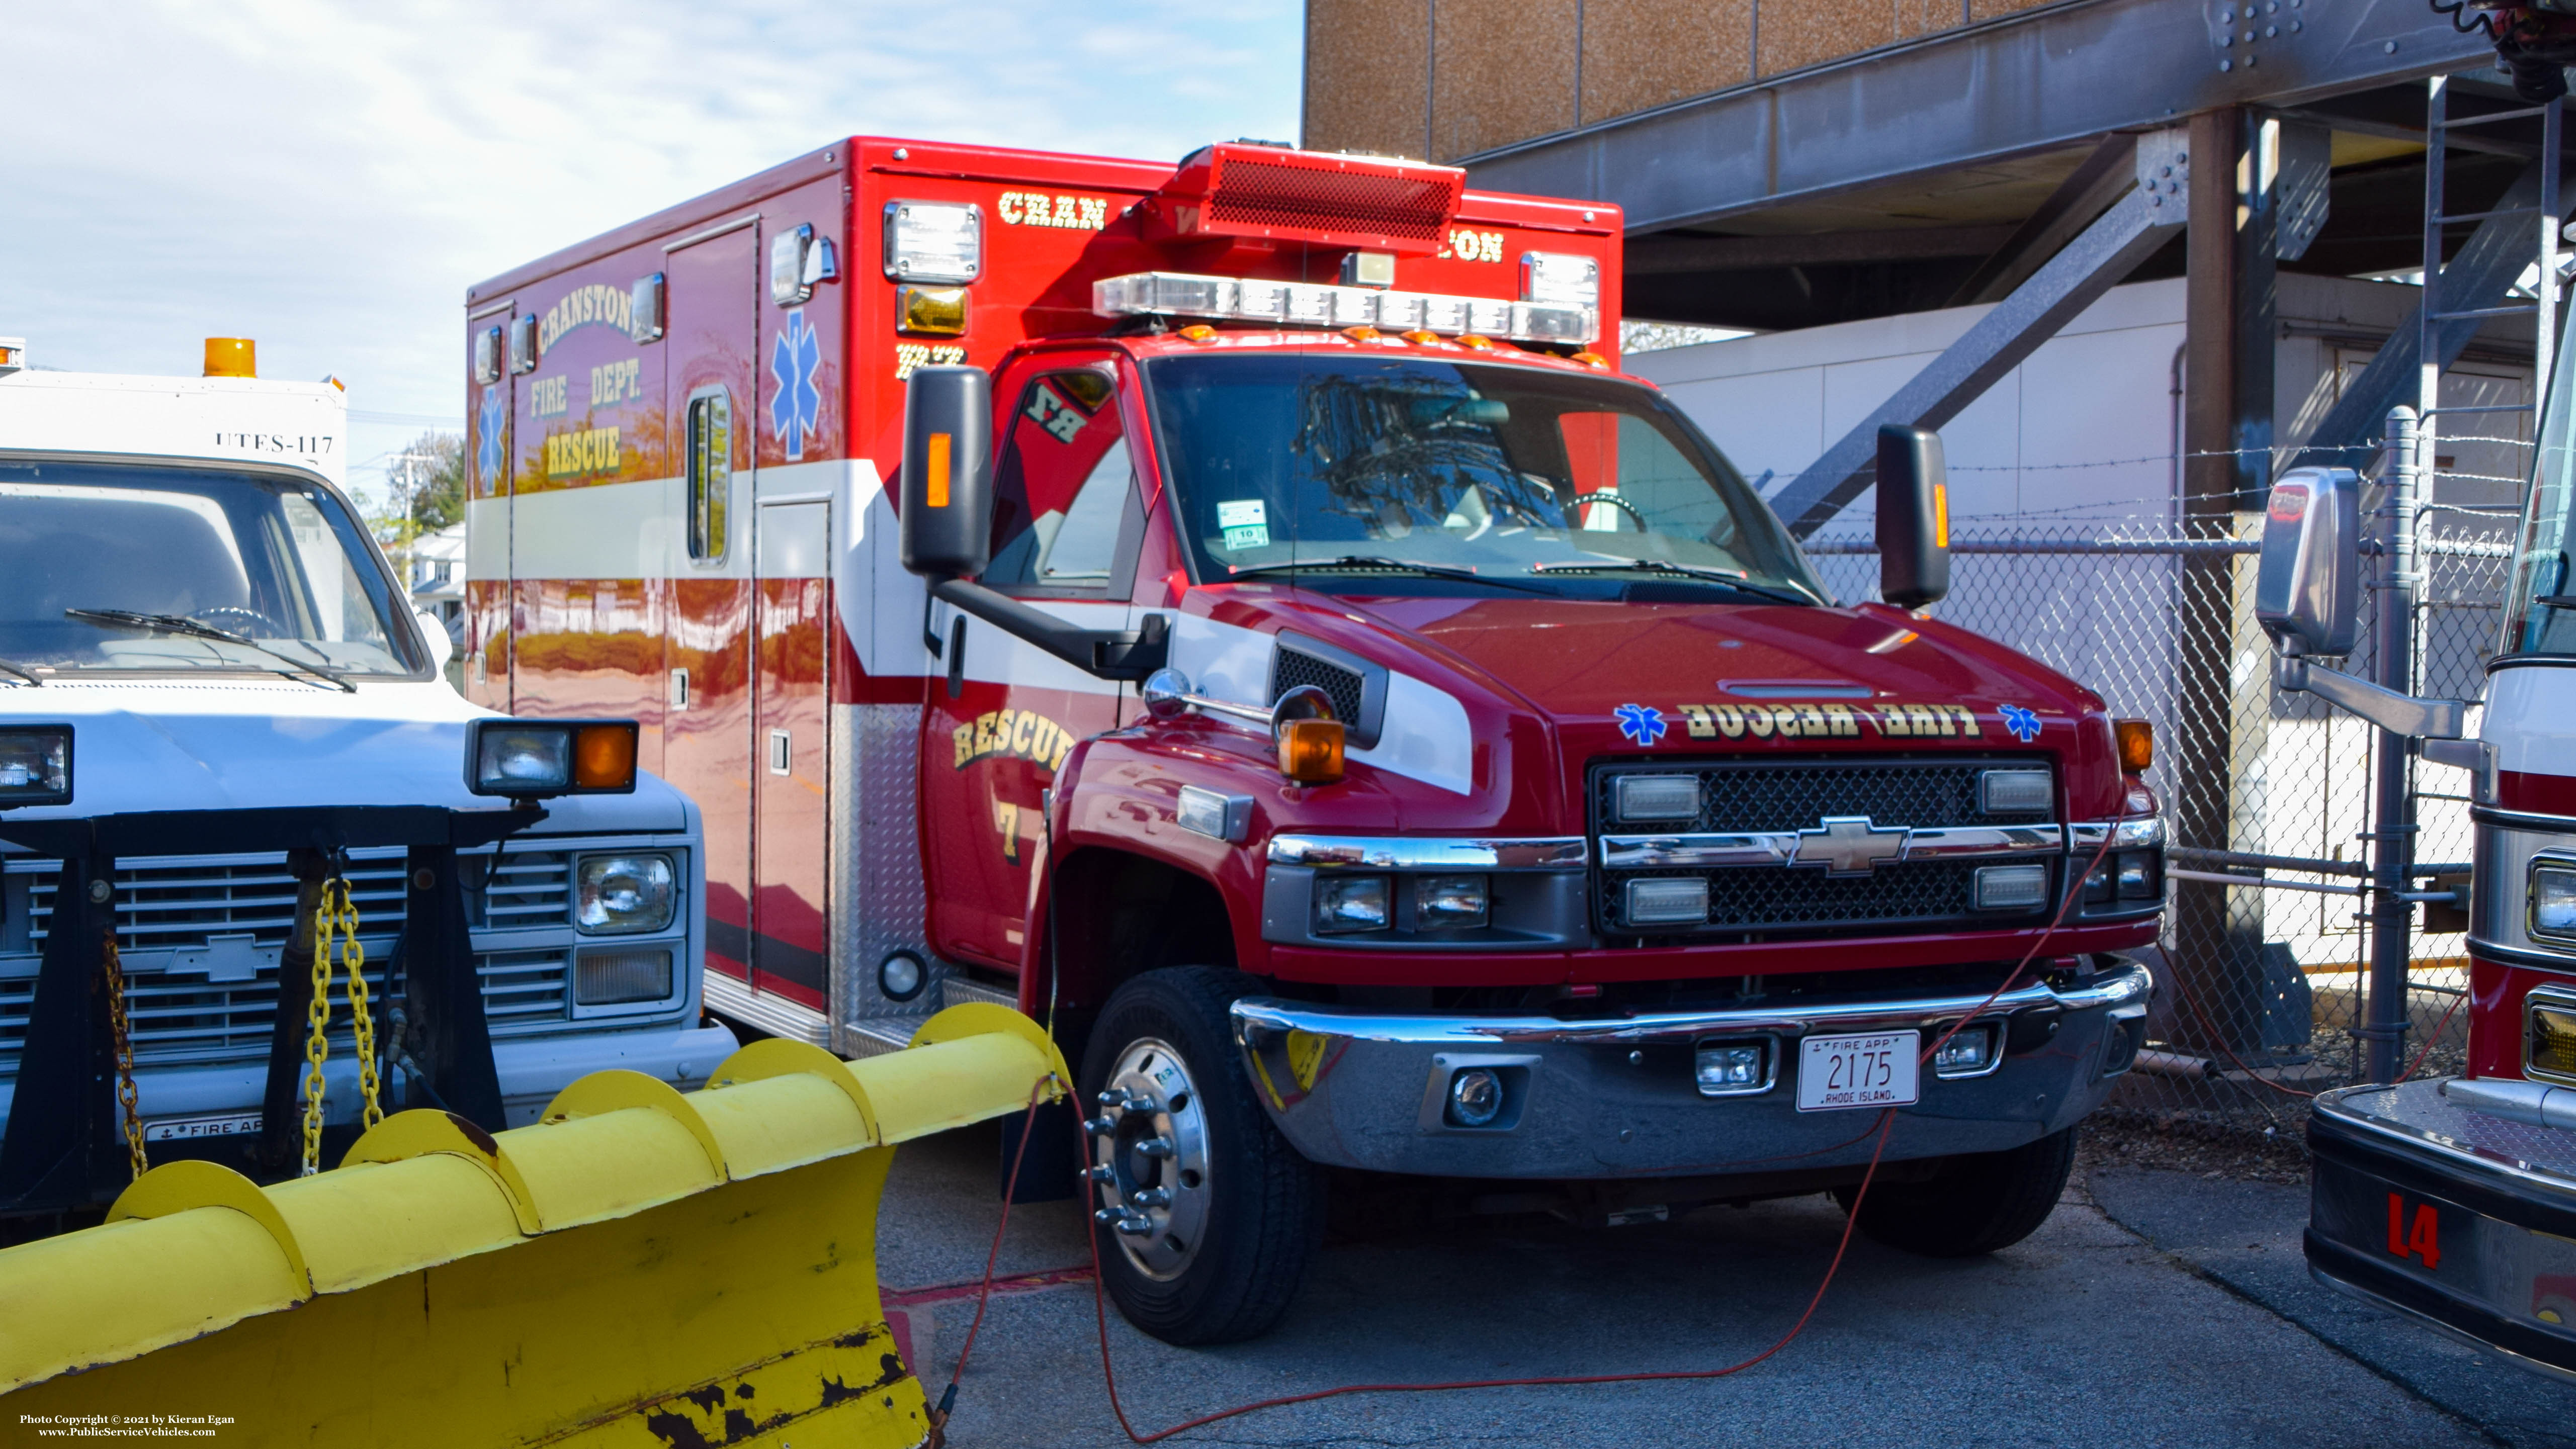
[{"x": 2217, "y": 930}]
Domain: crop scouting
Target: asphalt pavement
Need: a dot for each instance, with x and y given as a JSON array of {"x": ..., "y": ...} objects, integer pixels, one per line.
[{"x": 2181, "y": 1317}]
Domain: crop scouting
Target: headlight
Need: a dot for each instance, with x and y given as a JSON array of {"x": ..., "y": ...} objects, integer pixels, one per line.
[
  {"x": 623, "y": 895},
  {"x": 1667, "y": 901},
  {"x": 2553, "y": 900},
  {"x": 1450, "y": 902},
  {"x": 35, "y": 765},
  {"x": 605, "y": 978},
  {"x": 1345, "y": 903}
]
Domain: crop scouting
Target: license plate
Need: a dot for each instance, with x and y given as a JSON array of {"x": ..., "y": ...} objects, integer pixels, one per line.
[
  {"x": 189, "y": 1129},
  {"x": 1878, "y": 1070}
]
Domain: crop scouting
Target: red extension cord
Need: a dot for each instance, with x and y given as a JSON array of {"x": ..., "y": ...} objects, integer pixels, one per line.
[{"x": 1100, "y": 1308}]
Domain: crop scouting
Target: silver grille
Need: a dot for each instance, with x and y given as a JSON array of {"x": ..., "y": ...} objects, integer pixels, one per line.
[{"x": 166, "y": 906}]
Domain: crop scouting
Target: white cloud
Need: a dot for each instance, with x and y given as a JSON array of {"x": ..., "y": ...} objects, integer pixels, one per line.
[{"x": 330, "y": 178}]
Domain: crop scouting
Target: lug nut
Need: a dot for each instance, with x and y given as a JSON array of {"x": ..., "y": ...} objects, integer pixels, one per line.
[
  {"x": 1136, "y": 1225},
  {"x": 1102, "y": 1172},
  {"x": 1154, "y": 1147},
  {"x": 1112, "y": 1098},
  {"x": 1099, "y": 1126},
  {"x": 1107, "y": 1215},
  {"x": 1152, "y": 1197}
]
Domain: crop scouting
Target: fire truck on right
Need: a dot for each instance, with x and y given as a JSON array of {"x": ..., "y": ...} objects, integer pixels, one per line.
[{"x": 2453, "y": 1201}]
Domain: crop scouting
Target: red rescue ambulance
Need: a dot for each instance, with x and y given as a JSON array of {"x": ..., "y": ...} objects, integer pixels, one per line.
[{"x": 1296, "y": 665}]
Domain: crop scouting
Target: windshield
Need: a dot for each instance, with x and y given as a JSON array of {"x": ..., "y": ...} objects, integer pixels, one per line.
[
  {"x": 117, "y": 566},
  {"x": 1411, "y": 476},
  {"x": 2540, "y": 613}
]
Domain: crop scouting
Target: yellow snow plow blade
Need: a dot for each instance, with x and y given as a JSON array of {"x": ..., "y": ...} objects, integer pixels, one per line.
[{"x": 642, "y": 1268}]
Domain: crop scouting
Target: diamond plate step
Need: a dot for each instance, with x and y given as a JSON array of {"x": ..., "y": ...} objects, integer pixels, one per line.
[{"x": 958, "y": 989}]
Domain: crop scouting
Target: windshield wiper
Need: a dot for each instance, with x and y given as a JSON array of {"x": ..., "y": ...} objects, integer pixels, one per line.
[
  {"x": 190, "y": 628},
  {"x": 1369, "y": 562},
  {"x": 10, "y": 666},
  {"x": 1725, "y": 578}
]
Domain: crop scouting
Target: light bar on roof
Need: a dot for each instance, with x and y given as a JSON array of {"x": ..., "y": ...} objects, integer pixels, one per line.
[{"x": 1315, "y": 304}]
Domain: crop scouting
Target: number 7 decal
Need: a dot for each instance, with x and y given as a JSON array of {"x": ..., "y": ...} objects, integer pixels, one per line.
[{"x": 2423, "y": 1240}]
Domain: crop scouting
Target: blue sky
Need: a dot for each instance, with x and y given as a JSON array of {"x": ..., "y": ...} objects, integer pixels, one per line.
[{"x": 329, "y": 178}]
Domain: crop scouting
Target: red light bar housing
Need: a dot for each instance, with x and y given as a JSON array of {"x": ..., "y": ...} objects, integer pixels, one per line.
[{"x": 1366, "y": 203}]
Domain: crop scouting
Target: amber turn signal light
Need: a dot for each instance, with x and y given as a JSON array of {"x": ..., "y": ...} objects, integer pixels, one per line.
[
  {"x": 603, "y": 756},
  {"x": 2137, "y": 745},
  {"x": 1310, "y": 751}
]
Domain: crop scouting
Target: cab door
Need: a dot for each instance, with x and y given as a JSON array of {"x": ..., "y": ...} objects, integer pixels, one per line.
[{"x": 1067, "y": 521}]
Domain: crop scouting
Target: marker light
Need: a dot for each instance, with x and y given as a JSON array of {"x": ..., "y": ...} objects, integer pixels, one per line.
[
  {"x": 232, "y": 357},
  {"x": 930, "y": 311},
  {"x": 1315, "y": 304},
  {"x": 537, "y": 759},
  {"x": 933, "y": 241},
  {"x": 2137, "y": 745},
  {"x": 1310, "y": 750},
  {"x": 2551, "y": 1053},
  {"x": 901, "y": 976},
  {"x": 35, "y": 765},
  {"x": 13, "y": 354}
]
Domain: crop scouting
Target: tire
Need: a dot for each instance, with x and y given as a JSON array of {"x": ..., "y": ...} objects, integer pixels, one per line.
[
  {"x": 1219, "y": 1258},
  {"x": 1975, "y": 1205}
]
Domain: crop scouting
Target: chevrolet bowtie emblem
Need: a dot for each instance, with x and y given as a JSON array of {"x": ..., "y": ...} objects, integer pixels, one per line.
[{"x": 1850, "y": 845}]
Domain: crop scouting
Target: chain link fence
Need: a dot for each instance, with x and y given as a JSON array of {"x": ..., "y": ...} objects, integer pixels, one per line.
[{"x": 2269, "y": 795}]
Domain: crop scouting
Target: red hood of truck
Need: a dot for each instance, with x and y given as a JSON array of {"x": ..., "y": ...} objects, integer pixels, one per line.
[{"x": 1631, "y": 680}]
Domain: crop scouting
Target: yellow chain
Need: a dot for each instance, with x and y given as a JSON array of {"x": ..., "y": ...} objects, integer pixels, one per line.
[
  {"x": 124, "y": 1031},
  {"x": 335, "y": 926}
]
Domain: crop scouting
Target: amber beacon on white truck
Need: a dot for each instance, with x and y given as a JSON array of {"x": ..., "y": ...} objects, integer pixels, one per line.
[{"x": 215, "y": 702}]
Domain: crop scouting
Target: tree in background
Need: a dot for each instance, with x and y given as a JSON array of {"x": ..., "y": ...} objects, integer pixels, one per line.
[{"x": 424, "y": 492}]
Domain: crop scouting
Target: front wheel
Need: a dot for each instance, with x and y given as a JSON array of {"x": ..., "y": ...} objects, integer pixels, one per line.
[
  {"x": 1975, "y": 1204},
  {"x": 1205, "y": 1215}
]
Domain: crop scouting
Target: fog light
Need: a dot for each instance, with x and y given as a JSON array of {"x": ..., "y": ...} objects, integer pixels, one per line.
[
  {"x": 1733, "y": 1069},
  {"x": 605, "y": 978},
  {"x": 1656, "y": 797},
  {"x": 1969, "y": 1053},
  {"x": 1346, "y": 903},
  {"x": 901, "y": 976},
  {"x": 1667, "y": 901},
  {"x": 2553, "y": 900},
  {"x": 2012, "y": 887},
  {"x": 1475, "y": 1097},
  {"x": 1450, "y": 903},
  {"x": 537, "y": 759}
]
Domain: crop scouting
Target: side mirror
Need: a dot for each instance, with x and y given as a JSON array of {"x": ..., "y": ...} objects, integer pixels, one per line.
[
  {"x": 947, "y": 518},
  {"x": 434, "y": 634},
  {"x": 1913, "y": 517},
  {"x": 2307, "y": 588}
]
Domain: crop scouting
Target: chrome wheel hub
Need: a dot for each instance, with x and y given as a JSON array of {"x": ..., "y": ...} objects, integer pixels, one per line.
[{"x": 1149, "y": 1159}]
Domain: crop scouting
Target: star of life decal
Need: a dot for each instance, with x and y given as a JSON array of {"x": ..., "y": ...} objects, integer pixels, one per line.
[
  {"x": 1641, "y": 723},
  {"x": 792, "y": 364}
]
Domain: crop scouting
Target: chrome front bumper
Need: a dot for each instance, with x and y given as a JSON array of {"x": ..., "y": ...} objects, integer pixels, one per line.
[
  {"x": 2455, "y": 1216},
  {"x": 1618, "y": 1098}
]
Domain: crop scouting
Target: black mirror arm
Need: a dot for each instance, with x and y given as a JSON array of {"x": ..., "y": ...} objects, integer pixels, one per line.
[{"x": 1101, "y": 653}]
